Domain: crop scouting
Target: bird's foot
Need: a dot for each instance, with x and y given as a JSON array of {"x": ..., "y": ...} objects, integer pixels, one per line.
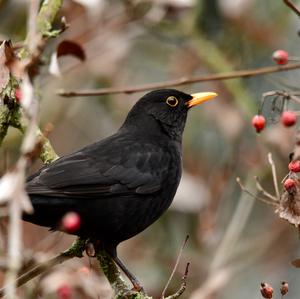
[{"x": 138, "y": 288}]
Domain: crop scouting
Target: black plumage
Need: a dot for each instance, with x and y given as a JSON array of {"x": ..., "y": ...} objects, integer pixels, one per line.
[{"x": 123, "y": 183}]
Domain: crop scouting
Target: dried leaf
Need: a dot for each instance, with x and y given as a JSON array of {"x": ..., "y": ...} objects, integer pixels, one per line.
[
  {"x": 65, "y": 48},
  {"x": 289, "y": 205},
  {"x": 296, "y": 263},
  {"x": 68, "y": 47},
  {"x": 53, "y": 66}
]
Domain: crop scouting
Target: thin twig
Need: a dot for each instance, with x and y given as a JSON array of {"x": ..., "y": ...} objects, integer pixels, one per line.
[
  {"x": 295, "y": 98},
  {"x": 182, "y": 286},
  {"x": 244, "y": 189},
  {"x": 175, "y": 267},
  {"x": 275, "y": 181},
  {"x": 263, "y": 191},
  {"x": 74, "y": 251},
  {"x": 292, "y": 6},
  {"x": 180, "y": 81},
  {"x": 41, "y": 268},
  {"x": 33, "y": 9}
]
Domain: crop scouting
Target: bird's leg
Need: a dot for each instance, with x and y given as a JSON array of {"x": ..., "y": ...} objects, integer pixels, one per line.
[
  {"x": 111, "y": 252},
  {"x": 136, "y": 284}
]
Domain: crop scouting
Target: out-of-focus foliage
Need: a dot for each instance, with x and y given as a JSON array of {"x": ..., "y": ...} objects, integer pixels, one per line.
[{"x": 235, "y": 243}]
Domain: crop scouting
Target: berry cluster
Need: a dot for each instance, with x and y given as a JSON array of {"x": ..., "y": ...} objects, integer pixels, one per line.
[
  {"x": 266, "y": 290},
  {"x": 288, "y": 119},
  {"x": 290, "y": 184}
]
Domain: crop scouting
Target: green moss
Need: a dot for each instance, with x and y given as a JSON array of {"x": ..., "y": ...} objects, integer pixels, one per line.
[
  {"x": 76, "y": 249},
  {"x": 46, "y": 16}
]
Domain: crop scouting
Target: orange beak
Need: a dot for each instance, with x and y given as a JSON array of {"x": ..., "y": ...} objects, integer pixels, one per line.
[{"x": 200, "y": 97}]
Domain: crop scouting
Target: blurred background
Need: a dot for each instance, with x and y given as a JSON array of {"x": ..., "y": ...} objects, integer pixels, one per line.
[{"x": 235, "y": 241}]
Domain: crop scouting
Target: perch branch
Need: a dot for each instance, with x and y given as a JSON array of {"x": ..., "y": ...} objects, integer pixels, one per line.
[{"x": 112, "y": 273}]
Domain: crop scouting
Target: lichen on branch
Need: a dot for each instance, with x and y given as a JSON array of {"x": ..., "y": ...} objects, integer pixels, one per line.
[{"x": 46, "y": 16}]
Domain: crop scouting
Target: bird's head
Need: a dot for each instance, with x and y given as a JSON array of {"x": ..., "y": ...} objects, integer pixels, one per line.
[{"x": 165, "y": 109}]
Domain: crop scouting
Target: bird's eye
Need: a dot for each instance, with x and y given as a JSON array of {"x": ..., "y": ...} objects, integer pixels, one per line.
[{"x": 172, "y": 101}]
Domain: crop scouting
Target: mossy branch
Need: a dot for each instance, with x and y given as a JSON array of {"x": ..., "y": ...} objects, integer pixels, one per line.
[
  {"x": 112, "y": 273},
  {"x": 46, "y": 16},
  {"x": 47, "y": 154}
]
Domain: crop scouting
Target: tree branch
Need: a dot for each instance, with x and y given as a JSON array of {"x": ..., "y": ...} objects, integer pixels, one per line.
[
  {"x": 75, "y": 250},
  {"x": 180, "y": 81},
  {"x": 47, "y": 15},
  {"x": 292, "y": 6},
  {"x": 113, "y": 274}
]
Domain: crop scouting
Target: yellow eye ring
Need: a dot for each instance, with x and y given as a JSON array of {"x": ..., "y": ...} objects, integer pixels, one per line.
[{"x": 172, "y": 101}]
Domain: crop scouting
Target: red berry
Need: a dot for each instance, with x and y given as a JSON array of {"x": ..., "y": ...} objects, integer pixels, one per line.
[
  {"x": 18, "y": 95},
  {"x": 294, "y": 166},
  {"x": 284, "y": 288},
  {"x": 71, "y": 222},
  {"x": 289, "y": 185},
  {"x": 281, "y": 57},
  {"x": 288, "y": 118},
  {"x": 64, "y": 292},
  {"x": 258, "y": 122},
  {"x": 266, "y": 290}
]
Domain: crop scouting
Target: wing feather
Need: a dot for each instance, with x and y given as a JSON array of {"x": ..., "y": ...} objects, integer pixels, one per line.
[{"x": 109, "y": 167}]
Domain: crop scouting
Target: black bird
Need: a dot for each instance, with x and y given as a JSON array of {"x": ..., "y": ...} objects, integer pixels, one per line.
[{"x": 123, "y": 183}]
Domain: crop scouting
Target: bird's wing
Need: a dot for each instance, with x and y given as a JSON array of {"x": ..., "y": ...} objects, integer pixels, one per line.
[{"x": 106, "y": 168}]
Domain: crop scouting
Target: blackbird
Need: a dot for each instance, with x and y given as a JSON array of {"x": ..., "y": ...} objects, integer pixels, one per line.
[{"x": 122, "y": 184}]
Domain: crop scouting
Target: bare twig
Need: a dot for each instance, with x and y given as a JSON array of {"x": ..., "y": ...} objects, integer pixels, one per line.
[
  {"x": 41, "y": 268},
  {"x": 175, "y": 267},
  {"x": 295, "y": 98},
  {"x": 282, "y": 93},
  {"x": 15, "y": 203},
  {"x": 244, "y": 189},
  {"x": 31, "y": 25},
  {"x": 74, "y": 251},
  {"x": 275, "y": 181},
  {"x": 232, "y": 233},
  {"x": 181, "y": 81},
  {"x": 292, "y": 6},
  {"x": 14, "y": 238},
  {"x": 183, "y": 284},
  {"x": 263, "y": 191}
]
